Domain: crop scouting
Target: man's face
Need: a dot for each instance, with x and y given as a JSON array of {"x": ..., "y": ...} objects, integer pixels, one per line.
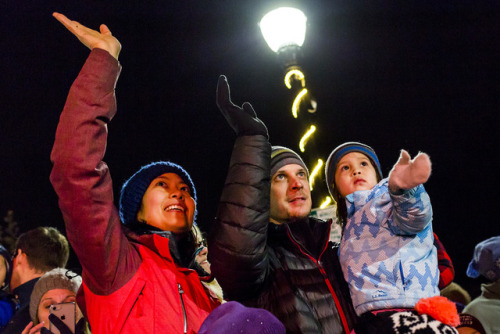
[
  {"x": 167, "y": 204},
  {"x": 290, "y": 194},
  {"x": 354, "y": 172}
]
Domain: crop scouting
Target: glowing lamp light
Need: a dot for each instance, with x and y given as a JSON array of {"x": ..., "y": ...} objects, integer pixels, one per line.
[
  {"x": 296, "y": 102},
  {"x": 326, "y": 202},
  {"x": 282, "y": 27},
  {"x": 305, "y": 138},
  {"x": 315, "y": 172},
  {"x": 295, "y": 74}
]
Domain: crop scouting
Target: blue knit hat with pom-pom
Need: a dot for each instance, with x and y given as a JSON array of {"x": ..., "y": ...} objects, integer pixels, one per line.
[{"x": 134, "y": 188}]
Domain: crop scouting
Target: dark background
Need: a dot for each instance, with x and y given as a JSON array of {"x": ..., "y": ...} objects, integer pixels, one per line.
[{"x": 420, "y": 75}]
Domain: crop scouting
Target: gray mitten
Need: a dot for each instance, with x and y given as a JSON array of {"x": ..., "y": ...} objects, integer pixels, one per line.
[
  {"x": 242, "y": 119},
  {"x": 407, "y": 174}
]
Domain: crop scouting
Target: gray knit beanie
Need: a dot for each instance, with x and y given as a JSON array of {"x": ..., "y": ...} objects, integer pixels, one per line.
[
  {"x": 282, "y": 156},
  {"x": 58, "y": 278}
]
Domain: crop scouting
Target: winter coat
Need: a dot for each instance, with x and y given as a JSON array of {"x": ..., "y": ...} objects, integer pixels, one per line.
[
  {"x": 131, "y": 283},
  {"x": 486, "y": 307},
  {"x": 21, "y": 317},
  {"x": 292, "y": 269},
  {"x": 387, "y": 252}
]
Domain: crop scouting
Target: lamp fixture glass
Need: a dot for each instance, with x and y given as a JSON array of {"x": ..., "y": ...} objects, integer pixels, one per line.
[{"x": 282, "y": 27}]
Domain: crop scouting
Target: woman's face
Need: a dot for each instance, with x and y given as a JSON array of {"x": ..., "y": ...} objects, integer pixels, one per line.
[
  {"x": 201, "y": 258},
  {"x": 56, "y": 296},
  {"x": 168, "y": 205}
]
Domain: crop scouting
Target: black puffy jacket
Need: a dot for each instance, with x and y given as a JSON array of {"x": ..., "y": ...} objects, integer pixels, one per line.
[{"x": 292, "y": 270}]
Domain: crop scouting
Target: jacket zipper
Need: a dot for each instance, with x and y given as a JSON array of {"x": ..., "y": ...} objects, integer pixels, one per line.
[
  {"x": 402, "y": 275},
  {"x": 325, "y": 277},
  {"x": 183, "y": 308}
]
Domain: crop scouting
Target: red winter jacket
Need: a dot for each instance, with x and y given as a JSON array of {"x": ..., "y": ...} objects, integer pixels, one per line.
[{"x": 131, "y": 283}]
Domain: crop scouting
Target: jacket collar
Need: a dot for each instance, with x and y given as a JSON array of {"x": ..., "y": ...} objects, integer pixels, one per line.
[
  {"x": 23, "y": 292},
  {"x": 180, "y": 246},
  {"x": 310, "y": 235}
]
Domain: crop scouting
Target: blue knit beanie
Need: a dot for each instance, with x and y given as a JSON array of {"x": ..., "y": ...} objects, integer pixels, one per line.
[
  {"x": 340, "y": 151},
  {"x": 134, "y": 188},
  {"x": 486, "y": 260}
]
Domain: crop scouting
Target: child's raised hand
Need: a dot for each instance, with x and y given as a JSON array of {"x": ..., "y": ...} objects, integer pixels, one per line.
[
  {"x": 407, "y": 174},
  {"x": 102, "y": 39}
]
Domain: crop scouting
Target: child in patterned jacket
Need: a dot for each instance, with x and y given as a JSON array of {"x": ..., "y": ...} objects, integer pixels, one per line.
[{"x": 386, "y": 252}]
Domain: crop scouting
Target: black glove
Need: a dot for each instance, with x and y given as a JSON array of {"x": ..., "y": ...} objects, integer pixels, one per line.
[
  {"x": 243, "y": 120},
  {"x": 62, "y": 326}
]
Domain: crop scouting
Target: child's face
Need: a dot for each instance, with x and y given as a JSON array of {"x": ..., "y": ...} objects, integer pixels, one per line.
[
  {"x": 354, "y": 172},
  {"x": 168, "y": 205}
]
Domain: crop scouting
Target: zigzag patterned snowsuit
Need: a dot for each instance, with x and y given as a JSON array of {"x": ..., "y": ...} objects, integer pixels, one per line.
[{"x": 387, "y": 252}]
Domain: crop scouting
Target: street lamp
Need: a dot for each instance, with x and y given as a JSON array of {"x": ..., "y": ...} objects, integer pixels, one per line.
[{"x": 284, "y": 30}]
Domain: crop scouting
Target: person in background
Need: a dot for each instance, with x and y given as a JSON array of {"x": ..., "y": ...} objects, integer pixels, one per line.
[
  {"x": 456, "y": 294},
  {"x": 265, "y": 250},
  {"x": 199, "y": 262},
  {"x": 486, "y": 263},
  {"x": 470, "y": 325},
  {"x": 445, "y": 265},
  {"x": 37, "y": 252},
  {"x": 7, "y": 302},
  {"x": 55, "y": 287},
  {"x": 135, "y": 258}
]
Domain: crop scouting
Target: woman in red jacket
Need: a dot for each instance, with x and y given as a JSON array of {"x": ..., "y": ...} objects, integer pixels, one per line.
[{"x": 135, "y": 275}]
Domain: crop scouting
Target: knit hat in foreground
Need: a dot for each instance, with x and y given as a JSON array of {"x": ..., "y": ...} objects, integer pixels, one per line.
[
  {"x": 282, "y": 156},
  {"x": 486, "y": 260},
  {"x": 340, "y": 151},
  {"x": 134, "y": 188},
  {"x": 408, "y": 323},
  {"x": 232, "y": 317},
  {"x": 58, "y": 278}
]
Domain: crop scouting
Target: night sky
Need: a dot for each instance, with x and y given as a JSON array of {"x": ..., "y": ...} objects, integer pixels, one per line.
[{"x": 419, "y": 75}]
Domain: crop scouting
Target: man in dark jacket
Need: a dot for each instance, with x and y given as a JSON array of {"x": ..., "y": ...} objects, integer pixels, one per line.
[
  {"x": 288, "y": 267},
  {"x": 37, "y": 251}
]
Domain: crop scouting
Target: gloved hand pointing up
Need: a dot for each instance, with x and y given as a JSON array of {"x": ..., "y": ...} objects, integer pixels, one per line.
[
  {"x": 407, "y": 174},
  {"x": 242, "y": 119}
]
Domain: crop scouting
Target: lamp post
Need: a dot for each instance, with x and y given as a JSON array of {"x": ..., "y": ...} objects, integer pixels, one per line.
[{"x": 284, "y": 30}]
